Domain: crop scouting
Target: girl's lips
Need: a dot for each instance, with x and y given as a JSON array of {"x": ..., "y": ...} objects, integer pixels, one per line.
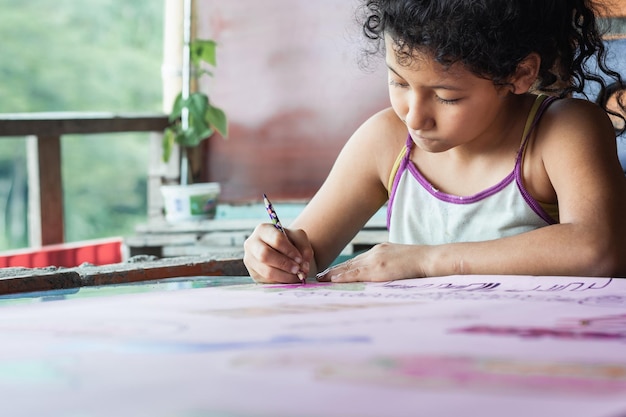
[{"x": 418, "y": 137}]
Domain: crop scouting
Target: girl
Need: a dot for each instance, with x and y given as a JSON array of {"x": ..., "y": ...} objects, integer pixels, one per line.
[{"x": 482, "y": 175}]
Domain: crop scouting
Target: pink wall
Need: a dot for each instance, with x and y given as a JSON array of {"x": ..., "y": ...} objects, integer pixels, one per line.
[{"x": 289, "y": 79}]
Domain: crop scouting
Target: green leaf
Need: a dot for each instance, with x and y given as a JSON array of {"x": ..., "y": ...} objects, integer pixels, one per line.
[
  {"x": 217, "y": 119},
  {"x": 197, "y": 106},
  {"x": 177, "y": 108},
  {"x": 197, "y": 103},
  {"x": 192, "y": 137},
  {"x": 203, "y": 50},
  {"x": 169, "y": 136}
]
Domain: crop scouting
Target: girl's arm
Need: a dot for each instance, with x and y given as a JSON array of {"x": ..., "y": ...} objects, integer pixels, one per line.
[
  {"x": 574, "y": 156},
  {"x": 353, "y": 191}
]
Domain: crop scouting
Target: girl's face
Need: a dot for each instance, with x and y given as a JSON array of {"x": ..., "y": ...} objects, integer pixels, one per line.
[{"x": 443, "y": 108}]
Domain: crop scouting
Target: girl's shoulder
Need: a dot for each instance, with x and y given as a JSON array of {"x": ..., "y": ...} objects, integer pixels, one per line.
[
  {"x": 572, "y": 152},
  {"x": 379, "y": 140},
  {"x": 385, "y": 120},
  {"x": 575, "y": 116},
  {"x": 383, "y": 132},
  {"x": 574, "y": 129}
]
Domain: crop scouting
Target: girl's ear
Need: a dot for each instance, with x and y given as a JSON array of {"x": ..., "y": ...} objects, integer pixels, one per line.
[{"x": 526, "y": 74}]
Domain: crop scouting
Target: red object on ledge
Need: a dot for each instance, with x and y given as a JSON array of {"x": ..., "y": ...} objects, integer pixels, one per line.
[{"x": 67, "y": 255}]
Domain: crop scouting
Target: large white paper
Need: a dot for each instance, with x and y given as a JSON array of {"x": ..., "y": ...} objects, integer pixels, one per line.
[{"x": 451, "y": 346}]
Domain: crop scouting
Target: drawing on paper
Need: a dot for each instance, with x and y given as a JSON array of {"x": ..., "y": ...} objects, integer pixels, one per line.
[
  {"x": 185, "y": 347},
  {"x": 308, "y": 287},
  {"x": 602, "y": 328},
  {"x": 486, "y": 374},
  {"x": 282, "y": 309}
]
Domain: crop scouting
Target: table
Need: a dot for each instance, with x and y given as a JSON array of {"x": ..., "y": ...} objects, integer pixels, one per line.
[
  {"x": 224, "y": 346},
  {"x": 227, "y": 233}
]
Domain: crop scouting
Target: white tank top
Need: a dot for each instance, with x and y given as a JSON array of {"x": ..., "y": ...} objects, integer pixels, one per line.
[{"x": 419, "y": 214}]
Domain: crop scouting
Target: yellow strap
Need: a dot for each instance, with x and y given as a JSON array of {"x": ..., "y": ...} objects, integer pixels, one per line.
[
  {"x": 394, "y": 169},
  {"x": 551, "y": 209},
  {"x": 533, "y": 112}
]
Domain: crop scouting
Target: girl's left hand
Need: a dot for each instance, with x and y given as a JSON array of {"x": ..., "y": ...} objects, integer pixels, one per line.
[{"x": 383, "y": 262}]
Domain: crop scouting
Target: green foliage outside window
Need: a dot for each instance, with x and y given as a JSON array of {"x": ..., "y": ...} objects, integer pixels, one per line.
[{"x": 64, "y": 55}]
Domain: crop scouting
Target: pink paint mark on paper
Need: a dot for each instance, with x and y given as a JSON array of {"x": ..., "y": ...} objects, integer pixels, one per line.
[{"x": 301, "y": 285}]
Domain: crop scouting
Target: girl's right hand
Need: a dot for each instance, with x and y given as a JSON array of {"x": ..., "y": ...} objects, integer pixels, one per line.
[{"x": 272, "y": 258}]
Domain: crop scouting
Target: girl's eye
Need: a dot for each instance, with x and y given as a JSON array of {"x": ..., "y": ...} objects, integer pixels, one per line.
[
  {"x": 447, "y": 101},
  {"x": 394, "y": 83}
]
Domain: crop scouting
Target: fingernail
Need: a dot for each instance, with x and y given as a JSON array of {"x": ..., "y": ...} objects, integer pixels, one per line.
[
  {"x": 321, "y": 274},
  {"x": 306, "y": 266},
  {"x": 297, "y": 259},
  {"x": 335, "y": 278},
  {"x": 295, "y": 269}
]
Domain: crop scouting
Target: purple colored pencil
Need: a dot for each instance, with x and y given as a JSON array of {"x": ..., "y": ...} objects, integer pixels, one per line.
[{"x": 272, "y": 213}]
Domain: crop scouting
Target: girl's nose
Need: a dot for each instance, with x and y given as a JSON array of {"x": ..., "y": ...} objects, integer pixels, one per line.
[{"x": 419, "y": 117}]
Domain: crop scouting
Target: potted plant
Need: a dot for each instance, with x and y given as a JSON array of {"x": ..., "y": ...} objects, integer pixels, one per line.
[{"x": 193, "y": 118}]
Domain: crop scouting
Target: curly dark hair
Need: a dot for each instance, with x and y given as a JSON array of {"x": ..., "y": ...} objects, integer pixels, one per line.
[{"x": 491, "y": 37}]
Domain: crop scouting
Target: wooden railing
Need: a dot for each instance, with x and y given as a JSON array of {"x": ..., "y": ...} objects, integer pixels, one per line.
[{"x": 43, "y": 132}]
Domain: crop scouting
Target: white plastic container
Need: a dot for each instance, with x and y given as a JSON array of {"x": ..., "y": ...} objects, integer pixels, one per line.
[{"x": 190, "y": 202}]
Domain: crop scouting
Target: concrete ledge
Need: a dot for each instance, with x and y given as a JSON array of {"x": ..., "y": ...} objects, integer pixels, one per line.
[{"x": 140, "y": 268}]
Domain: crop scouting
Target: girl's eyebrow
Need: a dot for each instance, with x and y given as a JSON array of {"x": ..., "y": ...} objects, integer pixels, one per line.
[
  {"x": 434, "y": 87},
  {"x": 392, "y": 70}
]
